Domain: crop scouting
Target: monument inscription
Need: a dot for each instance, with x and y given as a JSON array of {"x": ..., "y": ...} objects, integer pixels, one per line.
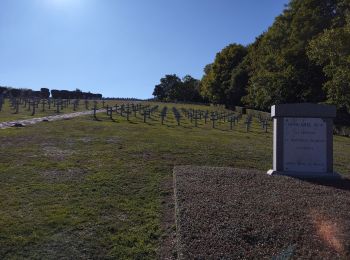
[
  {"x": 305, "y": 145},
  {"x": 303, "y": 140}
]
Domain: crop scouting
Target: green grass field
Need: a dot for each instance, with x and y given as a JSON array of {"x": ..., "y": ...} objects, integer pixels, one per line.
[{"x": 83, "y": 188}]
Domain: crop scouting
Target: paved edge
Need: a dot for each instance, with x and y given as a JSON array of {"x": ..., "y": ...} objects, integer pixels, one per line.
[{"x": 32, "y": 121}]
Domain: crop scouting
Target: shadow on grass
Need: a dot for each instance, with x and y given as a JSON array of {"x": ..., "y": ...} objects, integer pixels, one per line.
[
  {"x": 224, "y": 130},
  {"x": 174, "y": 126},
  {"x": 341, "y": 184},
  {"x": 106, "y": 120}
]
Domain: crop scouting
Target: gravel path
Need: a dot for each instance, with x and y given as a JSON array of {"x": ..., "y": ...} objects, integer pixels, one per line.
[
  {"x": 227, "y": 213},
  {"x": 32, "y": 121}
]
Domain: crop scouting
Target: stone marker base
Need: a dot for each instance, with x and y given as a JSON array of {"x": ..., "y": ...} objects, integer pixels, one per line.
[{"x": 307, "y": 175}]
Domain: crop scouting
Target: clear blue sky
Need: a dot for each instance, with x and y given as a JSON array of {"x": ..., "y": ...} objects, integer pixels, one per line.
[{"x": 120, "y": 48}]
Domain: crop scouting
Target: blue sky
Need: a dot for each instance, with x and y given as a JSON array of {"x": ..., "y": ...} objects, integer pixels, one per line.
[{"x": 120, "y": 48}]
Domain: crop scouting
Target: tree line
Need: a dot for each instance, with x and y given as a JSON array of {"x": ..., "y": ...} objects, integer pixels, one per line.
[
  {"x": 45, "y": 93},
  {"x": 172, "y": 88},
  {"x": 303, "y": 57}
]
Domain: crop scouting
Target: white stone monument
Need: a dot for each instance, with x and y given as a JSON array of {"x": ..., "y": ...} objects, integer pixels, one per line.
[{"x": 303, "y": 140}]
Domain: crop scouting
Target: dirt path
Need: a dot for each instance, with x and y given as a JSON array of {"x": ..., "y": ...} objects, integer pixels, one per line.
[{"x": 32, "y": 121}]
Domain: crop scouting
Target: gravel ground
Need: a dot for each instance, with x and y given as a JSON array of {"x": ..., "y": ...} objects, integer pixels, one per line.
[
  {"x": 227, "y": 213},
  {"x": 32, "y": 121}
]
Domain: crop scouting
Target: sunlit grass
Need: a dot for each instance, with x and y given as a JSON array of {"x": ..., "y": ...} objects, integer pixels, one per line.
[{"x": 83, "y": 188}]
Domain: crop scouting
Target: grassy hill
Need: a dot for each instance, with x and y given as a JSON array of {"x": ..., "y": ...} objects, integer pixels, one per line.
[{"x": 83, "y": 188}]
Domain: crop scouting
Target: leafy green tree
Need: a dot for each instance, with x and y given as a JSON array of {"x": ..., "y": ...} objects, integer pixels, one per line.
[
  {"x": 331, "y": 49},
  {"x": 172, "y": 88},
  {"x": 168, "y": 89},
  {"x": 206, "y": 82},
  {"x": 44, "y": 93},
  {"x": 303, "y": 57},
  {"x": 280, "y": 68},
  {"x": 159, "y": 92},
  {"x": 238, "y": 83},
  {"x": 191, "y": 89},
  {"x": 216, "y": 83}
]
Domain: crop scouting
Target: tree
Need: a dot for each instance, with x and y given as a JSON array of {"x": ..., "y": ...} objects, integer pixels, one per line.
[
  {"x": 168, "y": 89},
  {"x": 217, "y": 81},
  {"x": 159, "y": 92},
  {"x": 280, "y": 68},
  {"x": 303, "y": 57},
  {"x": 172, "y": 88},
  {"x": 238, "y": 84},
  {"x": 190, "y": 89},
  {"x": 3, "y": 90},
  {"x": 331, "y": 50},
  {"x": 14, "y": 92},
  {"x": 44, "y": 93},
  {"x": 206, "y": 82}
]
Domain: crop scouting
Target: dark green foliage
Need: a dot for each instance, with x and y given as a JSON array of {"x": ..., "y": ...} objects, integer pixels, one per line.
[
  {"x": 331, "y": 50},
  {"x": 44, "y": 93},
  {"x": 239, "y": 80},
  {"x": 281, "y": 71},
  {"x": 190, "y": 90},
  {"x": 303, "y": 57},
  {"x": 223, "y": 80},
  {"x": 3, "y": 90},
  {"x": 75, "y": 94},
  {"x": 14, "y": 92},
  {"x": 168, "y": 88},
  {"x": 172, "y": 88}
]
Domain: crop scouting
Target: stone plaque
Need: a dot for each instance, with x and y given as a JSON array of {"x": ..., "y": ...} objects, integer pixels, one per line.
[{"x": 305, "y": 145}]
